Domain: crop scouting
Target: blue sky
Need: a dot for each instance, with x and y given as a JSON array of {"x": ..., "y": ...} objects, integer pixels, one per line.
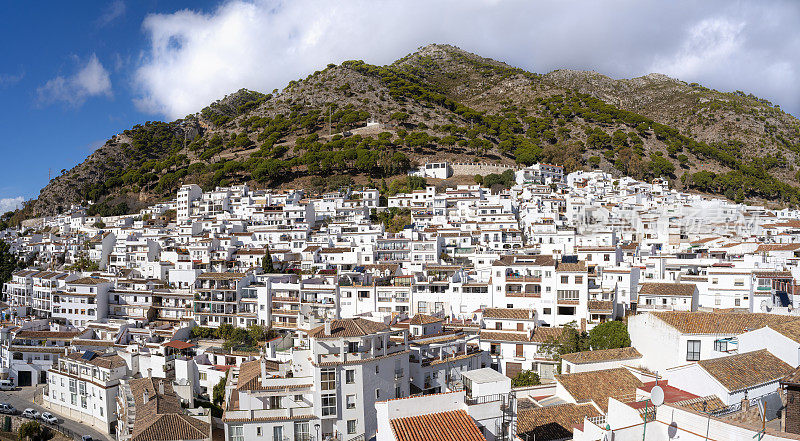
[
  {"x": 51, "y": 128},
  {"x": 72, "y": 74}
]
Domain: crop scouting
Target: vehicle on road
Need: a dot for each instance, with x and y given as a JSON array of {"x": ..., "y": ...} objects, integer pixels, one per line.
[
  {"x": 30, "y": 413},
  {"x": 7, "y": 385},
  {"x": 48, "y": 417},
  {"x": 86, "y": 438},
  {"x": 7, "y": 409}
]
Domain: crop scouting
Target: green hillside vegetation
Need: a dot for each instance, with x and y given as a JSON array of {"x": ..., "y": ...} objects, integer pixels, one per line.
[{"x": 269, "y": 140}]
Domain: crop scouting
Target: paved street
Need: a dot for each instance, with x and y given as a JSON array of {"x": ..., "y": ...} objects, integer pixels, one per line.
[{"x": 23, "y": 399}]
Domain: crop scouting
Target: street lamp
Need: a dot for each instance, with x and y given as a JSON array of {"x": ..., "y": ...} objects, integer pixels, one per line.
[{"x": 316, "y": 426}]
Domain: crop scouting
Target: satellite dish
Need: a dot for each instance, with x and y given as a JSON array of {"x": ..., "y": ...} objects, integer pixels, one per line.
[{"x": 657, "y": 396}]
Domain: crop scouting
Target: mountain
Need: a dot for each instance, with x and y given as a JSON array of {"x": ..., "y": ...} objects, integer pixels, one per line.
[{"x": 444, "y": 103}]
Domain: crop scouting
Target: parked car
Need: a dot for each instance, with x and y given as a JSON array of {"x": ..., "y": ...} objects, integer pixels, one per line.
[
  {"x": 7, "y": 385},
  {"x": 7, "y": 409},
  {"x": 48, "y": 417},
  {"x": 86, "y": 438},
  {"x": 30, "y": 413}
]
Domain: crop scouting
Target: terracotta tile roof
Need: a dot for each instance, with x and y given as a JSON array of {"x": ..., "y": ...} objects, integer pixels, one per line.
[
  {"x": 773, "y": 274},
  {"x": 221, "y": 276},
  {"x": 571, "y": 267},
  {"x": 107, "y": 361},
  {"x": 519, "y": 337},
  {"x": 552, "y": 422},
  {"x": 179, "y": 344},
  {"x": 88, "y": 281},
  {"x": 599, "y": 386},
  {"x": 792, "y": 378},
  {"x": 544, "y": 335},
  {"x": 790, "y": 330},
  {"x": 777, "y": 247},
  {"x": 531, "y": 260},
  {"x": 602, "y": 355},
  {"x": 712, "y": 403},
  {"x": 601, "y": 306},
  {"x": 356, "y": 327},
  {"x": 741, "y": 371},
  {"x": 50, "y": 335},
  {"x": 423, "y": 319},
  {"x": 250, "y": 374},
  {"x": 454, "y": 425},
  {"x": 719, "y": 323},
  {"x": 509, "y": 313},
  {"x": 667, "y": 289},
  {"x": 159, "y": 416}
]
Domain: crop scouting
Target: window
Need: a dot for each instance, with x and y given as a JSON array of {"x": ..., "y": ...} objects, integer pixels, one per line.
[
  {"x": 328, "y": 404},
  {"x": 377, "y": 394},
  {"x": 578, "y": 279},
  {"x": 606, "y": 257},
  {"x": 566, "y": 310},
  {"x": 352, "y": 346},
  {"x": 237, "y": 433},
  {"x": 377, "y": 370},
  {"x": 564, "y": 279},
  {"x": 494, "y": 349},
  {"x": 738, "y": 282},
  {"x": 327, "y": 379},
  {"x": 351, "y": 426},
  {"x": 275, "y": 402},
  {"x": 498, "y": 325},
  {"x": 520, "y": 326},
  {"x": 350, "y": 376},
  {"x": 351, "y": 401},
  {"x": 258, "y": 430},
  {"x": 721, "y": 345},
  {"x": 693, "y": 350},
  {"x": 277, "y": 433},
  {"x": 737, "y": 302},
  {"x": 547, "y": 311},
  {"x": 203, "y": 376},
  {"x": 301, "y": 432},
  {"x": 519, "y": 352}
]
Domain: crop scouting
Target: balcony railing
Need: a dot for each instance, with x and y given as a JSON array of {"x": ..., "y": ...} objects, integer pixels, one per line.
[{"x": 516, "y": 278}]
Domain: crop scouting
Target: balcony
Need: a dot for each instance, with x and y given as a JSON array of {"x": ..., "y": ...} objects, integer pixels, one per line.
[
  {"x": 652, "y": 307},
  {"x": 517, "y": 278},
  {"x": 292, "y": 412}
]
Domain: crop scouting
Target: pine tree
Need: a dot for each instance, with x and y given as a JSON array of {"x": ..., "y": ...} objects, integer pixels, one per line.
[{"x": 266, "y": 263}]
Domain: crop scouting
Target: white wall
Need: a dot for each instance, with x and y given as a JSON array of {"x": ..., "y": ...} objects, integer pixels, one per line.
[{"x": 778, "y": 344}]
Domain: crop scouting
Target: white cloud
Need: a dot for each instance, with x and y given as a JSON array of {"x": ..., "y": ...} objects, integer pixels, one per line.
[
  {"x": 92, "y": 79},
  {"x": 112, "y": 12},
  {"x": 194, "y": 58},
  {"x": 10, "y": 204},
  {"x": 7, "y": 80}
]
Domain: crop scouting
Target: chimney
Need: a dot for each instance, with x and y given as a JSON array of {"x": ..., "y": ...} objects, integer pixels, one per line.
[
  {"x": 327, "y": 327},
  {"x": 161, "y": 387},
  {"x": 150, "y": 372},
  {"x": 145, "y": 398},
  {"x": 263, "y": 363},
  {"x": 791, "y": 414}
]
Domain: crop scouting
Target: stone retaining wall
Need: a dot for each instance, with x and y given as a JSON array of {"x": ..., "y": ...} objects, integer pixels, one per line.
[{"x": 477, "y": 168}]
